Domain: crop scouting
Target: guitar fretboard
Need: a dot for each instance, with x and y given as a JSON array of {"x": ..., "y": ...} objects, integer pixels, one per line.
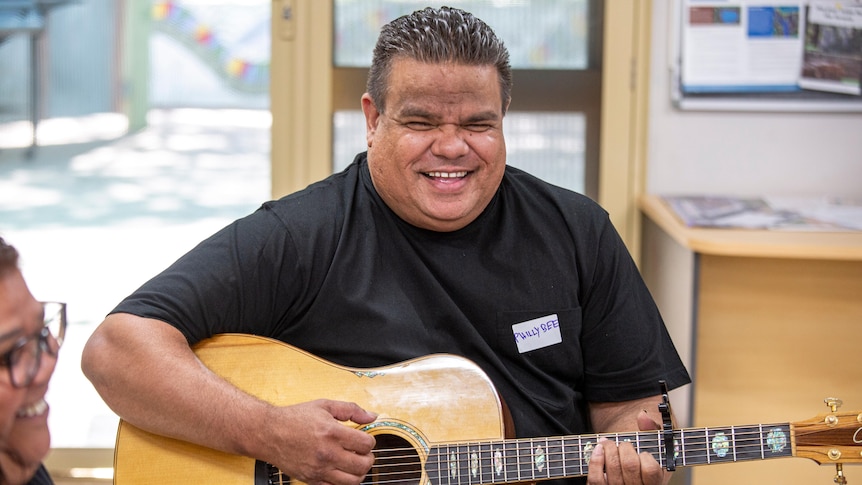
[{"x": 533, "y": 459}]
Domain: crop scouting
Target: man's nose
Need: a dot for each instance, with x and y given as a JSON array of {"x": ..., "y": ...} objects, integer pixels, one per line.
[{"x": 449, "y": 142}]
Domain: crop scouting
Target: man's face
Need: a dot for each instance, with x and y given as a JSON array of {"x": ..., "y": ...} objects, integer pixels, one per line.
[{"x": 437, "y": 155}]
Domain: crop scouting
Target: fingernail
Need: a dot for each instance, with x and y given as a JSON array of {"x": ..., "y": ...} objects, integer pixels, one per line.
[{"x": 599, "y": 450}]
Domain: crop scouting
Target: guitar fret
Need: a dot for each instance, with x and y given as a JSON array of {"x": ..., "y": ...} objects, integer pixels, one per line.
[
  {"x": 572, "y": 464},
  {"x": 682, "y": 448},
  {"x": 555, "y": 463},
  {"x": 463, "y": 472},
  {"x": 762, "y": 451},
  {"x": 733, "y": 441},
  {"x": 580, "y": 457},
  {"x": 694, "y": 453},
  {"x": 511, "y": 461},
  {"x": 750, "y": 443},
  {"x": 651, "y": 443},
  {"x": 564, "y": 470},
  {"x": 525, "y": 460},
  {"x": 486, "y": 462}
]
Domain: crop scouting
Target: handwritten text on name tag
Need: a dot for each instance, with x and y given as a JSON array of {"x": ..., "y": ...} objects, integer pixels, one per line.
[{"x": 537, "y": 333}]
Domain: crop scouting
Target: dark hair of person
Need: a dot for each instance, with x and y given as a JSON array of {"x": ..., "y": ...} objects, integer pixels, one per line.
[
  {"x": 8, "y": 257},
  {"x": 437, "y": 36}
]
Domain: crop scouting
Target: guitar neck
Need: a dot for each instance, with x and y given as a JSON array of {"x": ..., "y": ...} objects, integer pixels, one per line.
[{"x": 534, "y": 459}]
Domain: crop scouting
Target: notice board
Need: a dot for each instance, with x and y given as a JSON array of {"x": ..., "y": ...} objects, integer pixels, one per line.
[{"x": 776, "y": 55}]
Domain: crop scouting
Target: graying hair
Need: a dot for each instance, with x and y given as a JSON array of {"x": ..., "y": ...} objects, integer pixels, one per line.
[{"x": 435, "y": 36}]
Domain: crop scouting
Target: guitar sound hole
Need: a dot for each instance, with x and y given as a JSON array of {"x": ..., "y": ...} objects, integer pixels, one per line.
[{"x": 396, "y": 462}]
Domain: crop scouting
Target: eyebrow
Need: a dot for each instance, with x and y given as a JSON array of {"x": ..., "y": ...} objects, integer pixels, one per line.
[
  {"x": 416, "y": 112},
  {"x": 9, "y": 335}
]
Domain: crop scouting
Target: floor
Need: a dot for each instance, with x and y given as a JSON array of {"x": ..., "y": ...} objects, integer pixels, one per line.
[{"x": 95, "y": 212}]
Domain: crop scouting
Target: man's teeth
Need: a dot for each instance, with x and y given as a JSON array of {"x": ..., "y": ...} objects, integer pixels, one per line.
[
  {"x": 32, "y": 410},
  {"x": 447, "y": 175}
]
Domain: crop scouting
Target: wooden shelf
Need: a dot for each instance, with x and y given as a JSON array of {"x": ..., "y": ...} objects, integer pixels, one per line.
[{"x": 845, "y": 246}]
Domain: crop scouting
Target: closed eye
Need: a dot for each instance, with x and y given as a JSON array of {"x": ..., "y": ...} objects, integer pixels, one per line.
[
  {"x": 478, "y": 127},
  {"x": 419, "y": 125}
]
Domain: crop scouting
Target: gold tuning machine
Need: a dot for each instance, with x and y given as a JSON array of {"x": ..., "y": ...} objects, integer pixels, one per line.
[
  {"x": 840, "y": 479},
  {"x": 834, "y": 403}
]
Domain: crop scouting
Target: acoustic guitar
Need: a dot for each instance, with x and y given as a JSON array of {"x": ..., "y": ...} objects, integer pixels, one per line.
[{"x": 441, "y": 422}]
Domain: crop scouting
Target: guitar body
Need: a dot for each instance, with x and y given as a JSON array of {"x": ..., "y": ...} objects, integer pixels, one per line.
[{"x": 437, "y": 398}]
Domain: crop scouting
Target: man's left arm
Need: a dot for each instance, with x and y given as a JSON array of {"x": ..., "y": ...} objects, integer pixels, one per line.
[{"x": 621, "y": 464}]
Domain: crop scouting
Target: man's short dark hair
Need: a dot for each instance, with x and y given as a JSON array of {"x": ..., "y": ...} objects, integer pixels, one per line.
[{"x": 437, "y": 36}]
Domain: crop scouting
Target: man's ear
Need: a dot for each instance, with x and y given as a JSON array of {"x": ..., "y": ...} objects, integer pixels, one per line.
[{"x": 372, "y": 116}]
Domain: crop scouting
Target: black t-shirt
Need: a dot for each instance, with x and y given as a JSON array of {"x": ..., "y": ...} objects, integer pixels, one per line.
[
  {"x": 332, "y": 270},
  {"x": 41, "y": 477}
]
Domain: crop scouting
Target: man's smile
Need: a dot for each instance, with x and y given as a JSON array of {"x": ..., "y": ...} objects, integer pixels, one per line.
[{"x": 446, "y": 175}]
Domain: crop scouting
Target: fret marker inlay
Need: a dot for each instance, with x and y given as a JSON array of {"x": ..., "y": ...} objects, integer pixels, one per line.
[
  {"x": 776, "y": 440},
  {"x": 720, "y": 444},
  {"x": 588, "y": 452},
  {"x": 539, "y": 458},
  {"x": 498, "y": 462},
  {"x": 453, "y": 465}
]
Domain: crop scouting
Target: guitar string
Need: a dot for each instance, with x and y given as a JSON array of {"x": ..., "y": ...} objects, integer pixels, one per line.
[
  {"x": 745, "y": 441},
  {"x": 742, "y": 439},
  {"x": 574, "y": 457}
]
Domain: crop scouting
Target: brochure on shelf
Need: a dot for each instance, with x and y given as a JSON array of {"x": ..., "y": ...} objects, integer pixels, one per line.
[{"x": 782, "y": 213}]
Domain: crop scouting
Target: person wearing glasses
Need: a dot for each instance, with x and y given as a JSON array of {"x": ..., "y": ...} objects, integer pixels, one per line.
[
  {"x": 427, "y": 243},
  {"x": 31, "y": 333}
]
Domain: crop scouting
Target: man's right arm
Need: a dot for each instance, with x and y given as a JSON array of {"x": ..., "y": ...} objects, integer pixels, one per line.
[{"x": 146, "y": 372}]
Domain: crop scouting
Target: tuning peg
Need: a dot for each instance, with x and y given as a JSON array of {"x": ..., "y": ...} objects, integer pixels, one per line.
[
  {"x": 834, "y": 403},
  {"x": 840, "y": 479}
]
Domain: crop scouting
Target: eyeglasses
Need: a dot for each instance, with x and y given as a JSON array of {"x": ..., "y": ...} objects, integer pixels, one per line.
[{"x": 25, "y": 358}]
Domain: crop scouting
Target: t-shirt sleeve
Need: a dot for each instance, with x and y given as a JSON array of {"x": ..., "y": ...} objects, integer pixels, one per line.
[
  {"x": 227, "y": 283},
  {"x": 627, "y": 349}
]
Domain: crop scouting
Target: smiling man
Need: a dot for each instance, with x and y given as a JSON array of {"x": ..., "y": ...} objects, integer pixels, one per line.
[{"x": 427, "y": 243}]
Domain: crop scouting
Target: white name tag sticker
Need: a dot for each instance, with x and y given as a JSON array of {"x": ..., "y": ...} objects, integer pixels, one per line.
[{"x": 537, "y": 333}]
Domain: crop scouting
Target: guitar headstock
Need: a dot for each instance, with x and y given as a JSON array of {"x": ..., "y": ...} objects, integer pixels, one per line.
[{"x": 831, "y": 438}]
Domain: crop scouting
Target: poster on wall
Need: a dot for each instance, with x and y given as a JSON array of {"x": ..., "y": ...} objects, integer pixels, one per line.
[
  {"x": 741, "y": 46},
  {"x": 832, "y": 59}
]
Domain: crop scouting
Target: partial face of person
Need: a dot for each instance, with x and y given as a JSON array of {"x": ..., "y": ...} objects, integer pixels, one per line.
[
  {"x": 24, "y": 435},
  {"x": 437, "y": 155}
]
